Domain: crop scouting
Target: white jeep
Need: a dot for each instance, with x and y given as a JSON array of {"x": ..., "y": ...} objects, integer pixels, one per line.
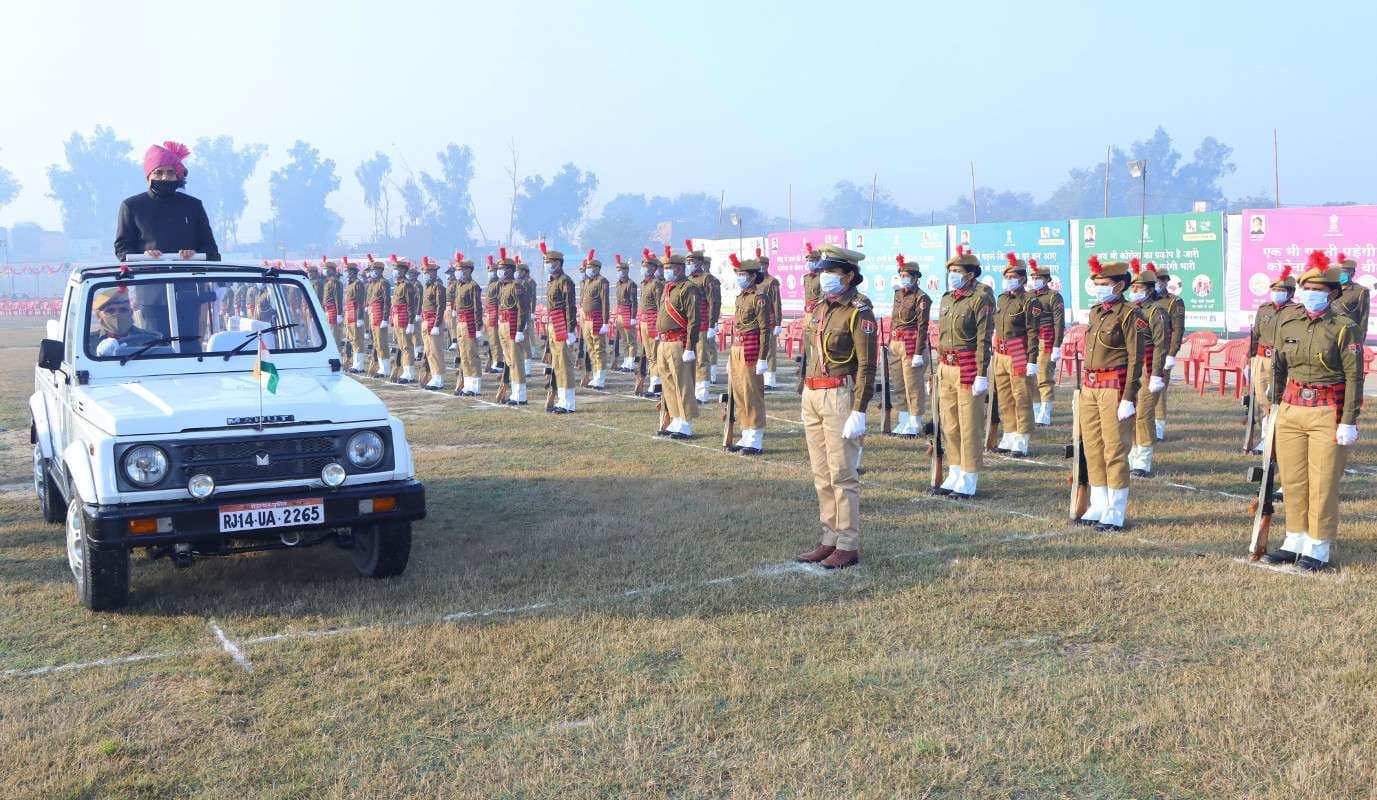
[{"x": 175, "y": 433}]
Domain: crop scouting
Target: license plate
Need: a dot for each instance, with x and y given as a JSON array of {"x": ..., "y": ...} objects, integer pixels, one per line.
[{"x": 279, "y": 514}]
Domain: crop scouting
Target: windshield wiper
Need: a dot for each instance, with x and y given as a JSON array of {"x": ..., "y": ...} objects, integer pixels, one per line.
[
  {"x": 159, "y": 342},
  {"x": 253, "y": 337}
]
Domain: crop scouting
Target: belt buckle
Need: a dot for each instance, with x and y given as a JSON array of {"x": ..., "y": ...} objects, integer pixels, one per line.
[
  {"x": 1090, "y": 379},
  {"x": 1308, "y": 394}
]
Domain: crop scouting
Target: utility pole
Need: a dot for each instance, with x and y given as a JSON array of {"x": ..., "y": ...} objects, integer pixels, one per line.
[
  {"x": 1276, "y": 169},
  {"x": 975, "y": 211},
  {"x": 1107, "y": 150},
  {"x": 874, "y": 189},
  {"x": 721, "y": 204},
  {"x": 790, "y": 212}
]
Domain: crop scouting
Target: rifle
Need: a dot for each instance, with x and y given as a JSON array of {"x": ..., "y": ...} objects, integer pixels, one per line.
[
  {"x": 992, "y": 420},
  {"x": 1263, "y": 506},
  {"x": 641, "y": 375},
  {"x": 1250, "y": 430},
  {"x": 551, "y": 381},
  {"x": 504, "y": 387},
  {"x": 886, "y": 397},
  {"x": 423, "y": 363},
  {"x": 1080, "y": 477},
  {"x": 728, "y": 417},
  {"x": 802, "y": 359},
  {"x": 396, "y": 370},
  {"x": 662, "y": 412},
  {"x": 615, "y": 331},
  {"x": 937, "y": 454},
  {"x": 587, "y": 363}
]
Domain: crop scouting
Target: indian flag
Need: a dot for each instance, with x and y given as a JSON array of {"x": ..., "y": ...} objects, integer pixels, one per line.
[{"x": 264, "y": 370}]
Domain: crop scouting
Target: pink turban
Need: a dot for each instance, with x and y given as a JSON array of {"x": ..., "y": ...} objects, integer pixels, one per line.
[{"x": 169, "y": 155}]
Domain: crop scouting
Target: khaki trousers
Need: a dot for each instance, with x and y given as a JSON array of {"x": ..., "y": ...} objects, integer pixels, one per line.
[
  {"x": 1260, "y": 372},
  {"x": 1145, "y": 421},
  {"x": 630, "y": 341},
  {"x": 833, "y": 461},
  {"x": 1311, "y": 465},
  {"x": 963, "y": 421},
  {"x": 337, "y": 330},
  {"x": 562, "y": 356},
  {"x": 494, "y": 344},
  {"x": 405, "y": 343},
  {"x": 707, "y": 357},
  {"x": 382, "y": 340},
  {"x": 1104, "y": 438},
  {"x": 353, "y": 334},
  {"x": 913, "y": 380},
  {"x": 1014, "y": 394},
  {"x": 1047, "y": 376},
  {"x": 649, "y": 345},
  {"x": 469, "y": 363},
  {"x": 1160, "y": 411},
  {"x": 595, "y": 345},
  {"x": 435, "y": 350},
  {"x": 748, "y": 390},
  {"x": 677, "y": 380},
  {"x": 514, "y": 354}
]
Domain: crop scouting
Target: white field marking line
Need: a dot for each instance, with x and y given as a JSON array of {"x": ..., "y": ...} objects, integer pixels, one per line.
[
  {"x": 230, "y": 646},
  {"x": 112, "y": 661}
]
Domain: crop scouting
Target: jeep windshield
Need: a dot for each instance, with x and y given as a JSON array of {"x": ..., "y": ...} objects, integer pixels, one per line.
[{"x": 180, "y": 317}]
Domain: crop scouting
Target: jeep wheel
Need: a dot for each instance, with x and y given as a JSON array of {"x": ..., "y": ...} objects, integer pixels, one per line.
[
  {"x": 49, "y": 496},
  {"x": 381, "y": 551},
  {"x": 101, "y": 576}
]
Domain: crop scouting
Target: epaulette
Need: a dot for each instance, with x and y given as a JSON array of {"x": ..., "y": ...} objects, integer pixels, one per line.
[{"x": 861, "y": 303}]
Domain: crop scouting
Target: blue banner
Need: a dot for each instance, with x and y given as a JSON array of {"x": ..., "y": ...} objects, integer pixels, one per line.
[
  {"x": 924, "y": 244},
  {"x": 1049, "y": 242}
]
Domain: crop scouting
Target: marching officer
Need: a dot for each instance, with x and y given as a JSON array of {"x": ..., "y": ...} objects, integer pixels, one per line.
[
  {"x": 1112, "y": 376},
  {"x": 405, "y": 307},
  {"x": 908, "y": 343},
  {"x": 963, "y": 339},
  {"x": 433, "y": 299},
  {"x": 595, "y": 300},
  {"x": 1319, "y": 361},
  {"x": 512, "y": 317},
  {"x": 811, "y": 296},
  {"x": 625, "y": 324},
  {"x": 1176, "y": 315},
  {"x": 561, "y": 309},
  {"x": 355, "y": 302},
  {"x": 748, "y": 360},
  {"x": 705, "y": 368},
  {"x": 837, "y": 390},
  {"x": 529, "y": 290},
  {"x": 490, "y": 320},
  {"x": 451, "y": 322},
  {"x": 652, "y": 288},
  {"x": 677, "y": 349},
  {"x": 332, "y": 298},
  {"x": 1014, "y": 365},
  {"x": 379, "y": 310},
  {"x": 466, "y": 302},
  {"x": 770, "y": 290},
  {"x": 1051, "y": 329},
  {"x": 1142, "y": 293},
  {"x": 1263, "y": 340},
  {"x": 1355, "y": 301},
  {"x": 413, "y": 279}
]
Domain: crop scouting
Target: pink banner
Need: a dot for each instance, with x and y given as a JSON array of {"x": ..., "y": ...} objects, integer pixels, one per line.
[
  {"x": 787, "y": 263},
  {"x": 1274, "y": 237}
]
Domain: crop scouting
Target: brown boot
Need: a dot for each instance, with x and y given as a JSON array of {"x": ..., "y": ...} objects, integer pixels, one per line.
[
  {"x": 841, "y": 559},
  {"x": 816, "y": 554}
]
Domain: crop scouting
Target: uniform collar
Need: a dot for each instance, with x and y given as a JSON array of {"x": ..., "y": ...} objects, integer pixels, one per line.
[
  {"x": 841, "y": 299},
  {"x": 1109, "y": 306}
]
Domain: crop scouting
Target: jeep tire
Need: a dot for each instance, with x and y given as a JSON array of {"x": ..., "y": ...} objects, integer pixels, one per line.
[
  {"x": 381, "y": 550},
  {"x": 49, "y": 496},
  {"x": 101, "y": 576}
]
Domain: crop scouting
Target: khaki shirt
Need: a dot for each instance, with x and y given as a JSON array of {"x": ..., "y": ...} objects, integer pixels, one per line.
[
  {"x": 1355, "y": 303},
  {"x": 626, "y": 297},
  {"x": 846, "y": 336},
  {"x": 594, "y": 297},
  {"x": 317, "y": 284},
  {"x": 965, "y": 321},
  {"x": 650, "y": 294},
  {"x": 511, "y": 296},
  {"x": 1158, "y": 335},
  {"x": 912, "y": 309},
  {"x": 1052, "y": 314},
  {"x": 1265, "y": 322},
  {"x": 812, "y": 289},
  {"x": 1323, "y": 350},
  {"x": 356, "y": 295},
  {"x": 1017, "y": 318},
  {"x": 679, "y": 311},
  {"x": 769, "y": 288},
  {"x": 433, "y": 297},
  {"x": 1114, "y": 339},
  {"x": 467, "y": 295},
  {"x": 559, "y": 296},
  {"x": 711, "y": 288},
  {"x": 333, "y": 294},
  {"x": 379, "y": 292},
  {"x": 1176, "y": 315},
  {"x": 753, "y": 314}
]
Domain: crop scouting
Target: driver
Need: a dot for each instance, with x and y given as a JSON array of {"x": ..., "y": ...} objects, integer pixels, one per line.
[{"x": 115, "y": 316}]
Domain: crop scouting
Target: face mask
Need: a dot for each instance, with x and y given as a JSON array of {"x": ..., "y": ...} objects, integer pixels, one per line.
[
  {"x": 744, "y": 282},
  {"x": 671, "y": 276},
  {"x": 1343, "y": 277},
  {"x": 1103, "y": 293},
  {"x": 830, "y": 283},
  {"x": 905, "y": 282},
  {"x": 1314, "y": 300},
  {"x": 956, "y": 280},
  {"x": 590, "y": 273},
  {"x": 117, "y": 324},
  {"x": 399, "y": 276},
  {"x": 647, "y": 275},
  {"x": 1137, "y": 295},
  {"x": 425, "y": 279},
  {"x": 162, "y": 189},
  {"x": 1039, "y": 285},
  {"x": 1013, "y": 284},
  {"x": 1280, "y": 298}
]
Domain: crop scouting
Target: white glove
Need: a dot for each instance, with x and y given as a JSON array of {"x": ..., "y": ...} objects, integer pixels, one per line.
[
  {"x": 1126, "y": 409},
  {"x": 520, "y": 336},
  {"x": 479, "y": 336},
  {"x": 1156, "y": 384},
  {"x": 1248, "y": 374},
  {"x": 778, "y": 331},
  {"x": 416, "y": 319},
  {"x": 855, "y": 425},
  {"x": 382, "y": 326},
  {"x": 712, "y": 332},
  {"x": 1346, "y": 434},
  {"x": 981, "y": 385},
  {"x": 358, "y": 323},
  {"x": 602, "y": 331},
  {"x": 571, "y": 338},
  {"x": 762, "y": 367},
  {"x": 689, "y": 355},
  {"x": 1056, "y": 354},
  {"x": 435, "y": 331},
  {"x": 108, "y": 347},
  {"x": 1032, "y": 370},
  {"x": 1171, "y": 363},
  {"x": 409, "y": 328},
  {"x": 917, "y": 360}
]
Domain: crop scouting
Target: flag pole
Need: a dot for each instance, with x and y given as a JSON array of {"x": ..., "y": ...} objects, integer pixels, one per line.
[{"x": 258, "y": 379}]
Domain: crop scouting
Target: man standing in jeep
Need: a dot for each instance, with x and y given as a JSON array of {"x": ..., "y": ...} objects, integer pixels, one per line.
[{"x": 163, "y": 220}]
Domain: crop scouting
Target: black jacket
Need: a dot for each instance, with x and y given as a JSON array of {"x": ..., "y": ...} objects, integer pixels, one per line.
[{"x": 177, "y": 223}]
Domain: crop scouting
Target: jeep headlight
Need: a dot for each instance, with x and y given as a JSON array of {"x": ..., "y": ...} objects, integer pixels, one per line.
[
  {"x": 145, "y": 465},
  {"x": 364, "y": 449}
]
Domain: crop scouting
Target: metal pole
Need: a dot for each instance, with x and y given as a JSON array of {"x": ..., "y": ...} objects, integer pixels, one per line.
[
  {"x": 874, "y": 188},
  {"x": 1107, "y": 151},
  {"x": 721, "y": 203},
  {"x": 1142, "y": 214},
  {"x": 791, "y": 208},
  {"x": 1276, "y": 169},
  {"x": 975, "y": 211}
]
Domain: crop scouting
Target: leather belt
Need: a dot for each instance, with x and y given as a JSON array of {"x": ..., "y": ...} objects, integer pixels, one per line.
[{"x": 826, "y": 383}]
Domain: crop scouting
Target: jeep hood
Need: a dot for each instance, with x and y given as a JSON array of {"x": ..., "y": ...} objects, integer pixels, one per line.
[{"x": 173, "y": 405}]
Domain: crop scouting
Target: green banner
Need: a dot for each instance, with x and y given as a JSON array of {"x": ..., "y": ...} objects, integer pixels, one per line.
[{"x": 1189, "y": 246}]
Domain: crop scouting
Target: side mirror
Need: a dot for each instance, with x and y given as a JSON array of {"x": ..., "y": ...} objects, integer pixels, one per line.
[{"x": 50, "y": 353}]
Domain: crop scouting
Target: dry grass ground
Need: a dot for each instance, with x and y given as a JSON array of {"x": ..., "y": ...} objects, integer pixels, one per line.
[{"x": 593, "y": 612}]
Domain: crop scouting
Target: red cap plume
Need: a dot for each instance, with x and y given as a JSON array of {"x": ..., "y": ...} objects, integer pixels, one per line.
[
  {"x": 808, "y": 246},
  {"x": 324, "y": 260},
  {"x": 490, "y": 260},
  {"x": 591, "y": 252},
  {"x": 960, "y": 251},
  {"x": 542, "y": 247},
  {"x": 1318, "y": 260},
  {"x": 645, "y": 253},
  {"x": 458, "y": 256},
  {"x": 370, "y": 258},
  {"x": 900, "y": 259},
  {"x": 392, "y": 258},
  {"x": 1012, "y": 259},
  {"x": 1135, "y": 265},
  {"x": 1285, "y": 272},
  {"x": 1032, "y": 263},
  {"x": 688, "y": 245},
  {"x": 1151, "y": 266},
  {"x": 757, "y": 252},
  {"x": 1095, "y": 265},
  {"x": 518, "y": 259},
  {"x": 502, "y": 253},
  {"x": 668, "y": 251},
  {"x": 618, "y": 258},
  {"x": 346, "y": 261},
  {"x": 736, "y": 262}
]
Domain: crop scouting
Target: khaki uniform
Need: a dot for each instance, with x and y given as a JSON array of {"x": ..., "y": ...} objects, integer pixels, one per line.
[
  {"x": 317, "y": 283},
  {"x": 1016, "y": 345},
  {"x": 561, "y": 315},
  {"x": 678, "y": 326},
  {"x": 512, "y": 317},
  {"x": 332, "y": 298},
  {"x": 434, "y": 300},
  {"x": 1176, "y": 316},
  {"x": 649, "y": 309},
  {"x": 751, "y": 343},
  {"x": 379, "y": 311},
  {"x": 965, "y": 325},
  {"x": 840, "y": 381},
  {"x": 490, "y": 321},
  {"x": 594, "y": 303},
  {"x": 706, "y": 366},
  {"x": 1112, "y": 372},
  {"x": 1355, "y": 302},
  {"x": 624, "y": 326},
  {"x": 529, "y": 292},
  {"x": 1155, "y": 343},
  {"x": 769, "y": 289},
  {"x": 812, "y": 294},
  {"x": 1051, "y": 313},
  {"x": 406, "y": 307},
  {"x": 909, "y": 337},
  {"x": 466, "y": 303},
  {"x": 1261, "y": 346},
  {"x": 355, "y": 301}
]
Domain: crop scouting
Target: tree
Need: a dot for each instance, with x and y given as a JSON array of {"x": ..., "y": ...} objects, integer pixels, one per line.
[
  {"x": 993, "y": 206},
  {"x": 414, "y": 203},
  {"x": 9, "y": 187},
  {"x": 849, "y": 207},
  {"x": 219, "y": 177},
  {"x": 300, "y": 220},
  {"x": 99, "y": 176},
  {"x": 372, "y": 176},
  {"x": 451, "y": 209},
  {"x": 630, "y": 222},
  {"x": 555, "y": 209}
]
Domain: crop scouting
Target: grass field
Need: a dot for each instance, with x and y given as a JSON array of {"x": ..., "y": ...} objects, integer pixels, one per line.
[{"x": 594, "y": 612}]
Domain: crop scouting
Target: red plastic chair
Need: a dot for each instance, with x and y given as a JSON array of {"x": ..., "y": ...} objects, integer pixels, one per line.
[
  {"x": 1200, "y": 343},
  {"x": 1072, "y": 351},
  {"x": 1234, "y": 360},
  {"x": 726, "y": 326}
]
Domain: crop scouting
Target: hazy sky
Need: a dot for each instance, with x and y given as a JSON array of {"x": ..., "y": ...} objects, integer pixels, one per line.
[{"x": 742, "y": 96}]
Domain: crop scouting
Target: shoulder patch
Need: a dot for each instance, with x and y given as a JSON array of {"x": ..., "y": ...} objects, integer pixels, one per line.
[
  {"x": 1037, "y": 310},
  {"x": 1141, "y": 323},
  {"x": 867, "y": 326},
  {"x": 1353, "y": 347}
]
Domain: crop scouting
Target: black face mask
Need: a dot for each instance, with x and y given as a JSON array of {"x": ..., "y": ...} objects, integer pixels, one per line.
[{"x": 162, "y": 189}]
